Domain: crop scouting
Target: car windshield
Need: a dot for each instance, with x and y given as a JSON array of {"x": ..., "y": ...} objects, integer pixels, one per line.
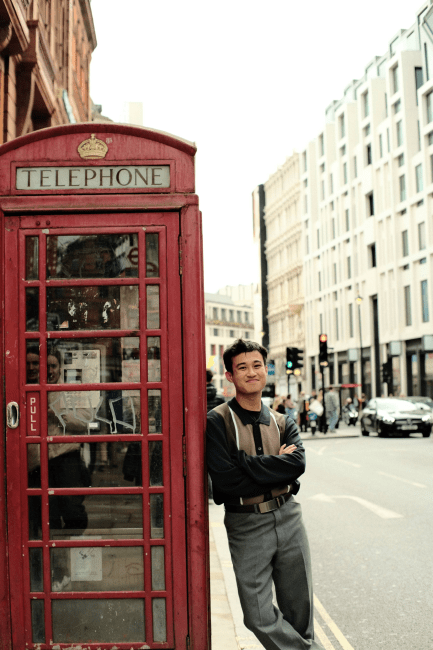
[{"x": 395, "y": 405}]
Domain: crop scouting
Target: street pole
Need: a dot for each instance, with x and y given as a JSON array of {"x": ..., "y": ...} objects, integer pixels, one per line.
[{"x": 359, "y": 301}]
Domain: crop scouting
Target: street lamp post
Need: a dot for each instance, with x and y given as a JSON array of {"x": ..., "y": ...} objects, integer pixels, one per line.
[{"x": 359, "y": 302}]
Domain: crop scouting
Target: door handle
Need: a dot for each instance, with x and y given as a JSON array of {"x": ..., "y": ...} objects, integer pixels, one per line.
[{"x": 13, "y": 415}]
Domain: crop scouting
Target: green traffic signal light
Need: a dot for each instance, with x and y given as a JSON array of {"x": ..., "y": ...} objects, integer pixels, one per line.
[{"x": 290, "y": 364}]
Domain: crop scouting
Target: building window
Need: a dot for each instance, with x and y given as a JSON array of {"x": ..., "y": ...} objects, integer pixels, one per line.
[
  {"x": 337, "y": 333},
  {"x": 402, "y": 184},
  {"x": 322, "y": 145},
  {"x": 215, "y": 313},
  {"x": 407, "y": 306},
  {"x": 418, "y": 178},
  {"x": 323, "y": 190},
  {"x": 304, "y": 160},
  {"x": 333, "y": 227},
  {"x": 335, "y": 272},
  {"x": 247, "y": 335},
  {"x": 424, "y": 301},
  {"x": 343, "y": 150},
  {"x": 342, "y": 126},
  {"x": 388, "y": 141},
  {"x": 345, "y": 173},
  {"x": 367, "y": 130},
  {"x": 213, "y": 349},
  {"x": 395, "y": 83},
  {"x": 397, "y": 106},
  {"x": 351, "y": 329},
  {"x": 422, "y": 243},
  {"x": 349, "y": 268},
  {"x": 223, "y": 314},
  {"x": 322, "y": 168},
  {"x": 231, "y": 315},
  {"x": 347, "y": 220},
  {"x": 232, "y": 334},
  {"x": 331, "y": 184},
  {"x": 355, "y": 167},
  {"x": 215, "y": 331},
  {"x": 400, "y": 160},
  {"x": 305, "y": 204},
  {"x": 380, "y": 146},
  {"x": 372, "y": 261},
  {"x": 368, "y": 155},
  {"x": 370, "y": 204},
  {"x": 239, "y": 315},
  {"x": 247, "y": 317},
  {"x": 405, "y": 243},
  {"x": 318, "y": 238},
  {"x": 320, "y": 280},
  {"x": 419, "y": 80},
  {"x": 429, "y": 100},
  {"x": 399, "y": 128},
  {"x": 430, "y": 138},
  {"x": 366, "y": 104}
]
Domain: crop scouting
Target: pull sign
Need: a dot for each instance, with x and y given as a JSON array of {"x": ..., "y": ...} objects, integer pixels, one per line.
[
  {"x": 33, "y": 414},
  {"x": 13, "y": 415}
]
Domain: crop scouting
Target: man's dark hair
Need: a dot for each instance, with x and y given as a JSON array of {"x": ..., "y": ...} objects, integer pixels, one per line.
[
  {"x": 240, "y": 346},
  {"x": 209, "y": 376}
]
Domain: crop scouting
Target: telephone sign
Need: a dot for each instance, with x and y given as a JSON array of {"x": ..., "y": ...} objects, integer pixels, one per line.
[{"x": 104, "y": 392}]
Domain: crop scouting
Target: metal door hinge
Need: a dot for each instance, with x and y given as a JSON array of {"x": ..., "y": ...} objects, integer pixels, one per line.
[
  {"x": 188, "y": 643},
  {"x": 179, "y": 241},
  {"x": 184, "y": 456}
]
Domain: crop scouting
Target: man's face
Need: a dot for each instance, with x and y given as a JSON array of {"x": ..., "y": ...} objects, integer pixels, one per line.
[
  {"x": 249, "y": 373},
  {"x": 32, "y": 368},
  {"x": 53, "y": 369}
]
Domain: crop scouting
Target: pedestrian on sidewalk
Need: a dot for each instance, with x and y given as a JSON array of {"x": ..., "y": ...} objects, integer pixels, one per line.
[
  {"x": 332, "y": 408},
  {"x": 255, "y": 457}
]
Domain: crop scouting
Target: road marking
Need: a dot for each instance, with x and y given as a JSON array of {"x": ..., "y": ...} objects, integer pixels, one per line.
[
  {"x": 384, "y": 513},
  {"x": 348, "y": 462},
  {"x": 321, "y": 450},
  {"x": 404, "y": 480},
  {"x": 332, "y": 626},
  {"x": 322, "y": 636}
]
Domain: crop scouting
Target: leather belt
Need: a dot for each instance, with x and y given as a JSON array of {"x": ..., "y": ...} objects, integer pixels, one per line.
[{"x": 261, "y": 508}]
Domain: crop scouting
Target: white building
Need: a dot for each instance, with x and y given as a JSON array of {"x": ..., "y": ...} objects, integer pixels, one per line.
[
  {"x": 284, "y": 266},
  {"x": 225, "y": 321},
  {"x": 367, "y": 203}
]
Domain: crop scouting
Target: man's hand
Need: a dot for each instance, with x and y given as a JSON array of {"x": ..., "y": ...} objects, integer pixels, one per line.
[{"x": 287, "y": 450}]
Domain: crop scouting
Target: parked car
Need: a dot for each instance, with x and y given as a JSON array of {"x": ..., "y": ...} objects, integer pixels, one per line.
[{"x": 389, "y": 416}]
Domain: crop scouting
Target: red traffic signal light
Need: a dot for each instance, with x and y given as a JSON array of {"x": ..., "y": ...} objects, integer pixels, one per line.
[
  {"x": 323, "y": 349},
  {"x": 323, "y": 338}
]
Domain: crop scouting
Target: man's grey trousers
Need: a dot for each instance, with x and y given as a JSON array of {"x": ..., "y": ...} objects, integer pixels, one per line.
[{"x": 273, "y": 547}]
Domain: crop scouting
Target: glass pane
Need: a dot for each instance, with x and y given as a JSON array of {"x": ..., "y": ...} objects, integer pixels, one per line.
[
  {"x": 94, "y": 464},
  {"x": 32, "y": 362},
  {"x": 32, "y": 309},
  {"x": 36, "y": 572},
  {"x": 35, "y": 517},
  {"x": 92, "y": 361},
  {"x": 96, "y": 411},
  {"x": 156, "y": 516},
  {"x": 92, "y": 256},
  {"x": 154, "y": 409},
  {"x": 117, "y": 620},
  {"x": 32, "y": 258},
  {"x": 158, "y": 569},
  {"x": 97, "y": 569},
  {"x": 155, "y": 463},
  {"x": 33, "y": 465},
  {"x": 153, "y": 358},
  {"x": 152, "y": 255},
  {"x": 152, "y": 293},
  {"x": 107, "y": 516},
  {"x": 159, "y": 620},
  {"x": 92, "y": 308},
  {"x": 38, "y": 621}
]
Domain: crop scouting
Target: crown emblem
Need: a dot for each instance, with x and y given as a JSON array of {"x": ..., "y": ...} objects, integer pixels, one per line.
[{"x": 92, "y": 148}]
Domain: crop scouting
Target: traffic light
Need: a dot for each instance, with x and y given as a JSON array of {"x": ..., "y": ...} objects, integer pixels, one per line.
[
  {"x": 298, "y": 358},
  {"x": 289, "y": 361},
  {"x": 323, "y": 349},
  {"x": 387, "y": 371}
]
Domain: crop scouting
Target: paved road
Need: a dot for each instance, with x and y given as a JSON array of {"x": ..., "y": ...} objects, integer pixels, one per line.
[{"x": 368, "y": 508}]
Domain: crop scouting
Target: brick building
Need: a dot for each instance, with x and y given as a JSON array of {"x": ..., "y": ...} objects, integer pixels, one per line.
[{"x": 45, "y": 52}]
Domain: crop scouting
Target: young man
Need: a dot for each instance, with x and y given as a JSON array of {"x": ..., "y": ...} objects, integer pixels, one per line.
[{"x": 255, "y": 456}]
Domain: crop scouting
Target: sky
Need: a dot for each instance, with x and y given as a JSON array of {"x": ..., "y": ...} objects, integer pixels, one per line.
[{"x": 247, "y": 80}]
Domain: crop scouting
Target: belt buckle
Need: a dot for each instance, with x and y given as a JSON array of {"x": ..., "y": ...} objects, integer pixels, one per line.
[{"x": 269, "y": 506}]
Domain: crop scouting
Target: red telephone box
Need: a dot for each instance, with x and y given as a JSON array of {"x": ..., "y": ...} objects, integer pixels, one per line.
[{"x": 103, "y": 525}]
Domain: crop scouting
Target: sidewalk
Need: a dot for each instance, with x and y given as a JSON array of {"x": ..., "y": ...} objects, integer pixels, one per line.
[
  {"x": 228, "y": 630},
  {"x": 343, "y": 431}
]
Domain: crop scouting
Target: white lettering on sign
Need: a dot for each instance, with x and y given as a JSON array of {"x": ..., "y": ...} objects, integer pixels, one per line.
[{"x": 92, "y": 178}]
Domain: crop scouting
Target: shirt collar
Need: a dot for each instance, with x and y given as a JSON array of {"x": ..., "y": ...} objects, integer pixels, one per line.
[{"x": 246, "y": 417}]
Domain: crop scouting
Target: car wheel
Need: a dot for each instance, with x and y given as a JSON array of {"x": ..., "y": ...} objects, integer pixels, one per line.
[
  {"x": 381, "y": 433},
  {"x": 364, "y": 431},
  {"x": 426, "y": 434}
]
